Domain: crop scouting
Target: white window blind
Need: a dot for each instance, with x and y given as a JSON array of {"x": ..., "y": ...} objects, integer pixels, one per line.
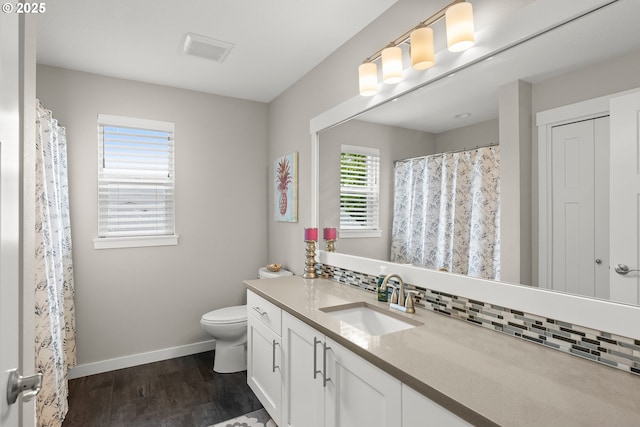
[
  {"x": 136, "y": 179},
  {"x": 359, "y": 188}
]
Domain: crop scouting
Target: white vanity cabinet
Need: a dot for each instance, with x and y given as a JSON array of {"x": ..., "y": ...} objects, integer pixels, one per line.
[
  {"x": 264, "y": 353},
  {"x": 346, "y": 391},
  {"x": 304, "y": 379}
]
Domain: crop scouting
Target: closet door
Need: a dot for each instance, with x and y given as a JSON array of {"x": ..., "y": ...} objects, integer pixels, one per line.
[
  {"x": 625, "y": 198},
  {"x": 580, "y": 206}
]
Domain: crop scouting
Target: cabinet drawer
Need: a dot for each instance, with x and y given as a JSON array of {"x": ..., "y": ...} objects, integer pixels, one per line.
[{"x": 266, "y": 312}]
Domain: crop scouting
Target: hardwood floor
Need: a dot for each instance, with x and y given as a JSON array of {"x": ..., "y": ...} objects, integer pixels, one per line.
[{"x": 172, "y": 393}]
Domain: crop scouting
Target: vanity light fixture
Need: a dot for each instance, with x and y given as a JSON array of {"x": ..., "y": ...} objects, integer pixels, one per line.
[
  {"x": 460, "y": 36},
  {"x": 422, "y": 50},
  {"x": 368, "y": 77},
  {"x": 459, "y": 19},
  {"x": 391, "y": 64}
]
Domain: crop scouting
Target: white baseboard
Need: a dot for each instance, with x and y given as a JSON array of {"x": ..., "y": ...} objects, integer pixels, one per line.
[{"x": 140, "y": 359}]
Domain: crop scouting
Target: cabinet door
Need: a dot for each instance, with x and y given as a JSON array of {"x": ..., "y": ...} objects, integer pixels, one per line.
[
  {"x": 264, "y": 357},
  {"x": 358, "y": 393},
  {"x": 303, "y": 395},
  {"x": 418, "y": 410}
]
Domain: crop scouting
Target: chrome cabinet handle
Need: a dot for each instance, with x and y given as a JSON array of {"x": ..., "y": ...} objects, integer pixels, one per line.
[
  {"x": 260, "y": 312},
  {"x": 325, "y": 379},
  {"x": 315, "y": 358},
  {"x": 623, "y": 269},
  {"x": 316, "y": 371},
  {"x": 273, "y": 364}
]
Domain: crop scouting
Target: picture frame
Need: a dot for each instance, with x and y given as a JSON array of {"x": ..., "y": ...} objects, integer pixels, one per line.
[{"x": 285, "y": 180}]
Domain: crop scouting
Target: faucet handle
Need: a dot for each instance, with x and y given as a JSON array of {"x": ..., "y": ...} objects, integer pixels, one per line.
[
  {"x": 409, "y": 302},
  {"x": 394, "y": 294}
]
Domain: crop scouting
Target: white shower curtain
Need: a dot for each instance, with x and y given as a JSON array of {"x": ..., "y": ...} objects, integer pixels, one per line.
[
  {"x": 447, "y": 212},
  {"x": 55, "y": 346}
]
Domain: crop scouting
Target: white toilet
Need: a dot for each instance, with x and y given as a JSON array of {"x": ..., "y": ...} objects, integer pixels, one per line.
[{"x": 229, "y": 328}]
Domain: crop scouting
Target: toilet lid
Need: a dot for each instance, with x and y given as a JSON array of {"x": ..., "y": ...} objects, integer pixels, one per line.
[
  {"x": 235, "y": 314},
  {"x": 264, "y": 273}
]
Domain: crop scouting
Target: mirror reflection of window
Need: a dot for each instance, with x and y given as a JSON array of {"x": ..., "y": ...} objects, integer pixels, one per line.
[{"x": 359, "y": 189}]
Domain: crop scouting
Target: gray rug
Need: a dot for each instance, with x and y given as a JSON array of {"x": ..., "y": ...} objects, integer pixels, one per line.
[{"x": 259, "y": 418}]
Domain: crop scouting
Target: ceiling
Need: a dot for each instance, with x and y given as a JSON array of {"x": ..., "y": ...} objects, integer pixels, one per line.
[{"x": 276, "y": 42}]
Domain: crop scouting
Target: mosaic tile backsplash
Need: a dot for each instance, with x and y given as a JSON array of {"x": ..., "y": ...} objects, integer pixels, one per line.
[{"x": 598, "y": 346}]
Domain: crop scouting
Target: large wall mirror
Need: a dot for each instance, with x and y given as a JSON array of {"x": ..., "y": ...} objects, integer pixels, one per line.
[{"x": 465, "y": 110}]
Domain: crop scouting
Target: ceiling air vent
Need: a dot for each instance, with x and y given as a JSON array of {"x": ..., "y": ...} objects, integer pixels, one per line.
[{"x": 205, "y": 47}]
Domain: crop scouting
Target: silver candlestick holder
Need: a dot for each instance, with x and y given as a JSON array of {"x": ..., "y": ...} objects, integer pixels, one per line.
[{"x": 310, "y": 263}]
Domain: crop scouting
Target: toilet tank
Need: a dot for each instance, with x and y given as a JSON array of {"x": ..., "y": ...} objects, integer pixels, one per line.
[{"x": 264, "y": 273}]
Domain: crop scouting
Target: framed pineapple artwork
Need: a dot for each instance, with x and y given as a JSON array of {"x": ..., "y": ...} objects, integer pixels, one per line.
[{"x": 285, "y": 174}]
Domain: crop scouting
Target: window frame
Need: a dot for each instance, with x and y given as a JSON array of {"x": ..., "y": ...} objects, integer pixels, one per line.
[
  {"x": 373, "y": 211},
  {"x": 113, "y": 242}
]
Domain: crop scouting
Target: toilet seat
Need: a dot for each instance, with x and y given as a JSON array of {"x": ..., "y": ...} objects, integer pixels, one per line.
[{"x": 226, "y": 316}]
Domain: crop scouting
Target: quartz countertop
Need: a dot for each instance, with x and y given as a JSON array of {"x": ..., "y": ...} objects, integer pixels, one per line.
[{"x": 485, "y": 377}]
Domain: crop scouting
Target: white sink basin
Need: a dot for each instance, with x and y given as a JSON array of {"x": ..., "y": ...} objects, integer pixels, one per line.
[{"x": 371, "y": 319}]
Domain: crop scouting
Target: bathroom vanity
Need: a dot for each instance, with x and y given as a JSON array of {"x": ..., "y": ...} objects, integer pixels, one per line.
[{"x": 310, "y": 365}]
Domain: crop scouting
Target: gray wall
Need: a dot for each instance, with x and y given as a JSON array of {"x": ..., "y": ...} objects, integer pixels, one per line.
[
  {"x": 614, "y": 75},
  {"x": 136, "y": 300},
  {"x": 467, "y": 137}
]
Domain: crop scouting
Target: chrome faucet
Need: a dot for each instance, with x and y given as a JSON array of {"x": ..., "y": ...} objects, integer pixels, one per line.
[{"x": 398, "y": 300}]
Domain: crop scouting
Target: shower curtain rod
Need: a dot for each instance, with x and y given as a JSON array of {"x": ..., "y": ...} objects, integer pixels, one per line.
[{"x": 477, "y": 147}]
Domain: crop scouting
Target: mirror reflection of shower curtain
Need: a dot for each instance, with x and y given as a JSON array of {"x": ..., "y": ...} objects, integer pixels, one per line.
[
  {"x": 447, "y": 212},
  {"x": 55, "y": 346}
]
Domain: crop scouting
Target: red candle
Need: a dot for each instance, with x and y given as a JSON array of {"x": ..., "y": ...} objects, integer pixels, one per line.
[
  {"x": 330, "y": 234},
  {"x": 310, "y": 234}
]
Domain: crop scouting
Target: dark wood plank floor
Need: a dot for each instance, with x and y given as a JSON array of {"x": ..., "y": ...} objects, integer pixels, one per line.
[{"x": 172, "y": 393}]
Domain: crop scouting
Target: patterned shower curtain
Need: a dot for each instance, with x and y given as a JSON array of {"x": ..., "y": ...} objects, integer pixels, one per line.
[
  {"x": 55, "y": 346},
  {"x": 447, "y": 212}
]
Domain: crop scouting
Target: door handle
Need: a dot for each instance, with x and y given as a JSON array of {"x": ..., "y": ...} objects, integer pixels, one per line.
[
  {"x": 260, "y": 312},
  {"x": 623, "y": 269},
  {"x": 316, "y": 341},
  {"x": 325, "y": 379},
  {"x": 317, "y": 371},
  {"x": 273, "y": 364},
  {"x": 28, "y": 386}
]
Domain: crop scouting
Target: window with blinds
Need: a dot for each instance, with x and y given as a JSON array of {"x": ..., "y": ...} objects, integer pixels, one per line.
[
  {"x": 359, "y": 189},
  {"x": 136, "y": 182}
]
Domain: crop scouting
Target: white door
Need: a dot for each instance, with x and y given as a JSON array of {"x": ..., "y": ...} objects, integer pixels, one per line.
[
  {"x": 580, "y": 207},
  {"x": 303, "y": 392},
  {"x": 625, "y": 198},
  {"x": 358, "y": 393},
  {"x": 264, "y": 361},
  {"x": 9, "y": 211}
]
